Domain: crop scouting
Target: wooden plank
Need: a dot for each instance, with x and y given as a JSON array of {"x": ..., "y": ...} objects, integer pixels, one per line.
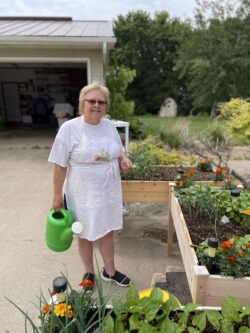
[
  {"x": 144, "y": 197},
  {"x": 139, "y": 186},
  {"x": 145, "y": 191},
  {"x": 199, "y": 284}
]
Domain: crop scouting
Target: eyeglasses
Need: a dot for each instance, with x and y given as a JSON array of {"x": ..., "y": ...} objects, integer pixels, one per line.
[{"x": 94, "y": 101}]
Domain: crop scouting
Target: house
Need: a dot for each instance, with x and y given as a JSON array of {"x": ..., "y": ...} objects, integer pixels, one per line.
[{"x": 47, "y": 60}]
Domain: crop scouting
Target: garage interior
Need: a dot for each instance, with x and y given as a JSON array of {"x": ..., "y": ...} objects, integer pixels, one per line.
[{"x": 29, "y": 91}]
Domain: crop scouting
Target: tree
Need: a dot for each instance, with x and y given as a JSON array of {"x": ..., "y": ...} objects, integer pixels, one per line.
[
  {"x": 215, "y": 61},
  {"x": 150, "y": 47}
]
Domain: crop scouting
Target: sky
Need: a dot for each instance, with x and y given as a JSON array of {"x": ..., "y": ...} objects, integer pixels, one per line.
[{"x": 95, "y": 9}]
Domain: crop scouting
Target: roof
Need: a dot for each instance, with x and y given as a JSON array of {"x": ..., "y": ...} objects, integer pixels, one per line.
[{"x": 21, "y": 28}]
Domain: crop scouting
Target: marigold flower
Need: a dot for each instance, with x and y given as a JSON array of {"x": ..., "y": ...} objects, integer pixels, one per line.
[
  {"x": 231, "y": 258},
  {"x": 228, "y": 180},
  {"x": 86, "y": 283},
  {"x": 60, "y": 310},
  {"x": 180, "y": 183},
  {"x": 45, "y": 308},
  {"x": 218, "y": 171},
  {"x": 247, "y": 212},
  {"x": 225, "y": 245},
  {"x": 202, "y": 161},
  {"x": 247, "y": 245},
  {"x": 241, "y": 253}
]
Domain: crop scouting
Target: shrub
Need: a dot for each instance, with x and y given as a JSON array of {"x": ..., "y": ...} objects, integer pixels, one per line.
[
  {"x": 237, "y": 114},
  {"x": 172, "y": 138},
  {"x": 146, "y": 155}
]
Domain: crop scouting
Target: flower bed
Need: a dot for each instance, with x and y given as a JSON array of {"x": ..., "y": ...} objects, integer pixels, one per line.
[
  {"x": 206, "y": 288},
  {"x": 75, "y": 311}
]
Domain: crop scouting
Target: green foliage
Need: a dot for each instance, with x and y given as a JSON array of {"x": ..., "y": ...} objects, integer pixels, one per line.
[
  {"x": 237, "y": 114},
  {"x": 150, "y": 46},
  {"x": 172, "y": 135},
  {"x": 151, "y": 314},
  {"x": 214, "y": 202},
  {"x": 142, "y": 315},
  {"x": 214, "y": 61},
  {"x": 146, "y": 155},
  {"x": 118, "y": 80}
]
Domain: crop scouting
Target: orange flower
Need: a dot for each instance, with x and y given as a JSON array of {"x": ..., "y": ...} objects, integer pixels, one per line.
[
  {"x": 231, "y": 258},
  {"x": 228, "y": 180},
  {"x": 247, "y": 245},
  {"x": 86, "y": 283},
  {"x": 218, "y": 171},
  {"x": 202, "y": 161},
  {"x": 225, "y": 245},
  {"x": 45, "y": 308},
  {"x": 247, "y": 212},
  {"x": 241, "y": 253},
  {"x": 190, "y": 171}
]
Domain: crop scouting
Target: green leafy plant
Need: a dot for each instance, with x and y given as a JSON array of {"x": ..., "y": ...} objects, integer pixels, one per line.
[{"x": 152, "y": 315}]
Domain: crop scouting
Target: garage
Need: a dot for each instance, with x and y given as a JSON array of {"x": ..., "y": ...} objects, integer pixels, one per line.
[{"x": 46, "y": 61}]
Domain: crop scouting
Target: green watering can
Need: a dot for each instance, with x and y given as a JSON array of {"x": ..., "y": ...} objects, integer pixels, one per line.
[{"x": 60, "y": 230}]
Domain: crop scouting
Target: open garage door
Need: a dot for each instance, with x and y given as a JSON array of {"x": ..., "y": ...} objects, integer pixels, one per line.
[{"x": 29, "y": 91}]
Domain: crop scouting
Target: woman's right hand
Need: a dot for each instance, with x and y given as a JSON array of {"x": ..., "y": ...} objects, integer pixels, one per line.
[{"x": 57, "y": 202}]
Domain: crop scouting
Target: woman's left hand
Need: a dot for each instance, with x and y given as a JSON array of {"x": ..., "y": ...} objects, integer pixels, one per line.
[{"x": 125, "y": 164}]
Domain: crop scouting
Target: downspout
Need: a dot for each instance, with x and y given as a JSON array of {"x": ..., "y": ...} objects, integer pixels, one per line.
[{"x": 105, "y": 60}]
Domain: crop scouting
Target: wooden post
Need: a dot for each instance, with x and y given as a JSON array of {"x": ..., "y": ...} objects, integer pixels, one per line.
[{"x": 170, "y": 224}]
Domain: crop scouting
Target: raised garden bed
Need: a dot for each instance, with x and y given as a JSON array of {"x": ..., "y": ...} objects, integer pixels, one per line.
[{"x": 206, "y": 289}]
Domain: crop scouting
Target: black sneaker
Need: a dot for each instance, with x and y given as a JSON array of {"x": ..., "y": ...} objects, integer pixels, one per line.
[
  {"x": 88, "y": 282},
  {"x": 119, "y": 278}
]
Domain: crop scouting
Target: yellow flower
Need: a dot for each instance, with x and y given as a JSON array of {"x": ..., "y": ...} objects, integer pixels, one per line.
[{"x": 60, "y": 310}]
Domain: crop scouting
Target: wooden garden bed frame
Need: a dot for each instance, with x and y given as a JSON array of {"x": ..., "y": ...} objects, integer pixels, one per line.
[
  {"x": 145, "y": 191},
  {"x": 205, "y": 289}
]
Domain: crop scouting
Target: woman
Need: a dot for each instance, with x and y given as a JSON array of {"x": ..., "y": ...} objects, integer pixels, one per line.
[{"x": 87, "y": 154}]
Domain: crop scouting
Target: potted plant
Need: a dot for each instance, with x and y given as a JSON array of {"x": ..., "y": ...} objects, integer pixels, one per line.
[
  {"x": 197, "y": 213},
  {"x": 68, "y": 310}
]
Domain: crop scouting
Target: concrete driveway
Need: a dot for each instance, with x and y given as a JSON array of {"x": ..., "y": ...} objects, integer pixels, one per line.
[{"x": 27, "y": 265}]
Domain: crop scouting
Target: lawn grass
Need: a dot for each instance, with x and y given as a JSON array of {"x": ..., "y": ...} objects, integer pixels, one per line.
[{"x": 193, "y": 126}]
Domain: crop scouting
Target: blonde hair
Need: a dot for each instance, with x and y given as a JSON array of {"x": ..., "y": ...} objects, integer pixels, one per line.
[{"x": 93, "y": 86}]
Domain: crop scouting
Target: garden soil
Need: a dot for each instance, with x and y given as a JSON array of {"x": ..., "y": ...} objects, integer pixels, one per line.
[{"x": 27, "y": 266}]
